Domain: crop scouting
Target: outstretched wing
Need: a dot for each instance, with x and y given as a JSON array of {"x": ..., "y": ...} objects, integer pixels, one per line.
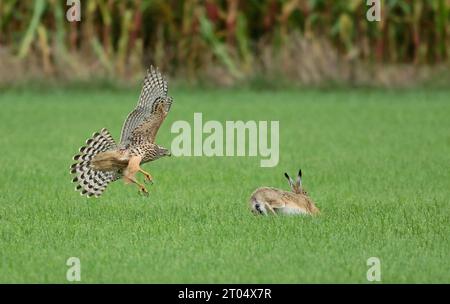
[
  {"x": 150, "y": 125},
  {"x": 154, "y": 89}
]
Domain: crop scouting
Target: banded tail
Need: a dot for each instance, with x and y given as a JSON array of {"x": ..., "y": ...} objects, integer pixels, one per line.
[{"x": 89, "y": 181}]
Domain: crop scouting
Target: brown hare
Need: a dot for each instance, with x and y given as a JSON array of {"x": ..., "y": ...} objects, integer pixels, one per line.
[{"x": 267, "y": 200}]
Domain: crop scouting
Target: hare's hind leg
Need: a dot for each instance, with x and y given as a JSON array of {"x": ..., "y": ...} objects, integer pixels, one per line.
[{"x": 268, "y": 206}]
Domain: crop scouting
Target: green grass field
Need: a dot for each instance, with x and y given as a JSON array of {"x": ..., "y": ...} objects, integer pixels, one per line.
[{"x": 376, "y": 162}]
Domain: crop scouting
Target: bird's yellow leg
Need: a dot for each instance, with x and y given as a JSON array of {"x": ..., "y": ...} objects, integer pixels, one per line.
[
  {"x": 142, "y": 188},
  {"x": 130, "y": 171},
  {"x": 147, "y": 176}
]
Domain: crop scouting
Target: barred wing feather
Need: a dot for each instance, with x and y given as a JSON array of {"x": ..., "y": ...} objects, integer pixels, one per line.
[{"x": 154, "y": 89}]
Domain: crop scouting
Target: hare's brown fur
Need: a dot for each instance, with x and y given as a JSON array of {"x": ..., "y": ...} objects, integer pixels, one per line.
[{"x": 266, "y": 200}]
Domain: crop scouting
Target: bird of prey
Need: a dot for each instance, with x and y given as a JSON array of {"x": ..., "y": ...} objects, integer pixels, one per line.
[{"x": 102, "y": 161}]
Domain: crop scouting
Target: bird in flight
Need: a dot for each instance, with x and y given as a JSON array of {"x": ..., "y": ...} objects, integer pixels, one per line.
[{"x": 102, "y": 161}]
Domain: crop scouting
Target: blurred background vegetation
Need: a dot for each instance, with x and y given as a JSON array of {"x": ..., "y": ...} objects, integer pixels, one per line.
[{"x": 227, "y": 42}]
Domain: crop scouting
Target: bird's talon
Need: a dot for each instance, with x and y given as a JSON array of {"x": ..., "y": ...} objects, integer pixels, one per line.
[
  {"x": 143, "y": 191},
  {"x": 148, "y": 179}
]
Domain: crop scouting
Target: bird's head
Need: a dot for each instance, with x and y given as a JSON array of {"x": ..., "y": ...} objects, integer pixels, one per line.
[{"x": 163, "y": 152}]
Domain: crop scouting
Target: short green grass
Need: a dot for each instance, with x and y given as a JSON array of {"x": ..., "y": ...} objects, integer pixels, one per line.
[{"x": 376, "y": 162}]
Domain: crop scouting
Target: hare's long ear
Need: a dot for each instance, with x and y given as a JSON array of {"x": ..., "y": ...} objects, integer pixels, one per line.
[
  {"x": 291, "y": 182},
  {"x": 299, "y": 180}
]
